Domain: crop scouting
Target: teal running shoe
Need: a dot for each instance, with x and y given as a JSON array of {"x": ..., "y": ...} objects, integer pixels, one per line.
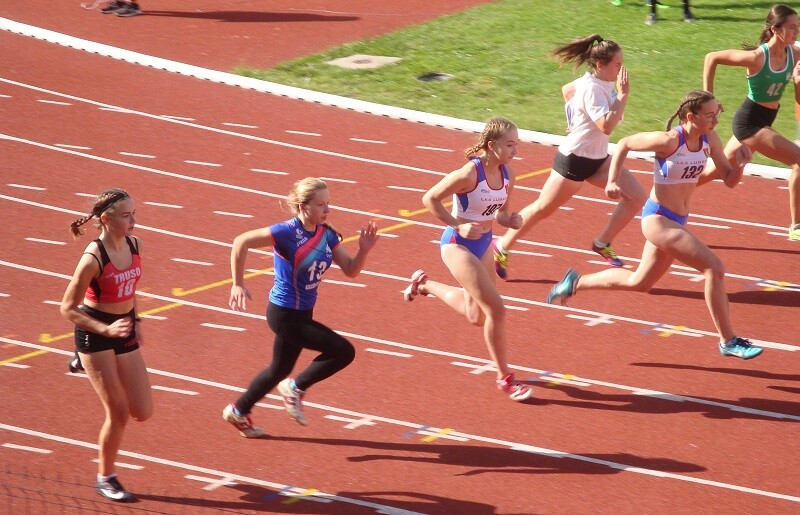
[
  {"x": 740, "y": 348},
  {"x": 565, "y": 288}
]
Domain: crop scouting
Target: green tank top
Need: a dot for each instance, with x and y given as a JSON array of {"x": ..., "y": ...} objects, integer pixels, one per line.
[{"x": 767, "y": 85}]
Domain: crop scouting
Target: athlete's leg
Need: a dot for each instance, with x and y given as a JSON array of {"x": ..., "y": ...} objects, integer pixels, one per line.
[
  {"x": 556, "y": 191},
  {"x": 684, "y": 246},
  {"x": 480, "y": 297},
  {"x": 101, "y": 367},
  {"x": 775, "y": 146},
  {"x": 136, "y": 383},
  {"x": 627, "y": 208}
]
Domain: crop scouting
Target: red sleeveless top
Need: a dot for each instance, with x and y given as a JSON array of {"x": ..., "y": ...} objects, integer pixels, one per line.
[{"x": 112, "y": 285}]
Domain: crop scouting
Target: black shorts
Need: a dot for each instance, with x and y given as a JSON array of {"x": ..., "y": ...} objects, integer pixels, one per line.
[
  {"x": 88, "y": 342},
  {"x": 751, "y": 118},
  {"x": 576, "y": 168}
]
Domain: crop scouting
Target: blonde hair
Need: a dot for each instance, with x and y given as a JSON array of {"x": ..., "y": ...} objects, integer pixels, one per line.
[
  {"x": 302, "y": 192},
  {"x": 690, "y": 104},
  {"x": 103, "y": 203},
  {"x": 495, "y": 128}
]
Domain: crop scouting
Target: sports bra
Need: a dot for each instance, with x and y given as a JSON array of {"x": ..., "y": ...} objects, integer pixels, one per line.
[
  {"x": 482, "y": 201},
  {"x": 113, "y": 286},
  {"x": 684, "y": 165}
]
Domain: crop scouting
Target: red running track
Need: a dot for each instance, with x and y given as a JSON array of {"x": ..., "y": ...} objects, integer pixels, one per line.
[{"x": 634, "y": 412}]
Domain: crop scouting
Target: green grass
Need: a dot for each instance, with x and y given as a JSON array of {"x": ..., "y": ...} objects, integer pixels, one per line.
[{"x": 499, "y": 56}]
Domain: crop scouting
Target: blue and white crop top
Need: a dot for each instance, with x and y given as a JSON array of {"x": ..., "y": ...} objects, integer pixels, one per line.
[
  {"x": 683, "y": 166},
  {"x": 480, "y": 204}
]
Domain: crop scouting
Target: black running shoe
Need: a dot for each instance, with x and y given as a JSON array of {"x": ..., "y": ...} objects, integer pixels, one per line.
[
  {"x": 75, "y": 364},
  {"x": 112, "y": 489},
  {"x": 130, "y": 9},
  {"x": 113, "y": 6}
]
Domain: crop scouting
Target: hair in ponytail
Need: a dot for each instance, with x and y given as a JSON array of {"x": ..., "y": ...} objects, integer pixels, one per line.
[
  {"x": 590, "y": 50},
  {"x": 775, "y": 20},
  {"x": 103, "y": 203}
]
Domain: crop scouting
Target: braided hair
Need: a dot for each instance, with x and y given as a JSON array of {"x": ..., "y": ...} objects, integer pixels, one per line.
[
  {"x": 495, "y": 128},
  {"x": 103, "y": 203},
  {"x": 690, "y": 104}
]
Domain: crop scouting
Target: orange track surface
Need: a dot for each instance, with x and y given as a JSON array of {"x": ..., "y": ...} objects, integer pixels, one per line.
[{"x": 651, "y": 420}]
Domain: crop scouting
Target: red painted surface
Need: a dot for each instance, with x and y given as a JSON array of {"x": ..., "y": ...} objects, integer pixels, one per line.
[{"x": 604, "y": 425}]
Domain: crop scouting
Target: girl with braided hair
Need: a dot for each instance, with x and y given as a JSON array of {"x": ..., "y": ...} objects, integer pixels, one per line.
[
  {"x": 771, "y": 65},
  {"x": 594, "y": 107},
  {"x": 304, "y": 248},
  {"x": 480, "y": 191},
  {"x": 681, "y": 154},
  {"x": 100, "y": 301}
]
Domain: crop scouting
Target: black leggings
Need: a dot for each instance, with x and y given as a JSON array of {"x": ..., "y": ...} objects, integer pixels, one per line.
[{"x": 295, "y": 330}]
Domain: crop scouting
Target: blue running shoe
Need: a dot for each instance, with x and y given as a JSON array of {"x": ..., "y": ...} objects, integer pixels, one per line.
[
  {"x": 740, "y": 348},
  {"x": 565, "y": 288}
]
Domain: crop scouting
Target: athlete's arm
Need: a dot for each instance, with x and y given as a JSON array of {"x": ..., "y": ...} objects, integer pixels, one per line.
[
  {"x": 751, "y": 59},
  {"x": 457, "y": 181},
  {"x": 351, "y": 266},
  {"x": 256, "y": 238}
]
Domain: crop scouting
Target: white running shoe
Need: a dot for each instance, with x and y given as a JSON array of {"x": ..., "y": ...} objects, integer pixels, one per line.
[
  {"x": 293, "y": 401},
  {"x": 516, "y": 390},
  {"x": 242, "y": 422},
  {"x": 417, "y": 278}
]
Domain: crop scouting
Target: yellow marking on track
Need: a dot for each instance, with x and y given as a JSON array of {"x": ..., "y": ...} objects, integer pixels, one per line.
[
  {"x": 666, "y": 333},
  {"x": 24, "y": 357},
  {"x": 777, "y": 286},
  {"x": 306, "y": 493},
  {"x": 533, "y": 174},
  {"x": 439, "y": 433},
  {"x": 407, "y": 213}
]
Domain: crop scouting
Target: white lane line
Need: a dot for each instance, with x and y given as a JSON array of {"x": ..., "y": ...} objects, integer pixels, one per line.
[
  {"x": 75, "y": 147},
  {"x": 388, "y": 352},
  {"x": 377, "y": 142},
  {"x": 171, "y": 117},
  {"x": 5, "y": 96},
  {"x": 567, "y": 208},
  {"x": 154, "y": 317},
  {"x": 477, "y": 438},
  {"x": 344, "y": 283},
  {"x": 122, "y": 465},
  {"x": 352, "y": 423},
  {"x": 241, "y": 125},
  {"x": 49, "y": 242},
  {"x": 133, "y": 154},
  {"x": 272, "y": 172},
  {"x": 346, "y": 181},
  {"x": 405, "y": 188},
  {"x": 201, "y": 163},
  {"x": 5, "y": 294},
  {"x": 192, "y": 262},
  {"x": 27, "y": 448},
  {"x": 712, "y": 226},
  {"x": 784, "y": 234},
  {"x": 647, "y": 324},
  {"x": 388, "y": 234},
  {"x": 89, "y": 195},
  {"x": 515, "y": 308},
  {"x": 288, "y": 490},
  {"x": 435, "y": 149},
  {"x": 113, "y": 109},
  {"x": 52, "y": 302},
  {"x": 173, "y": 390},
  {"x": 228, "y": 213},
  {"x": 16, "y": 365},
  {"x": 529, "y": 253},
  {"x": 302, "y": 133},
  {"x": 159, "y": 204},
  {"x": 225, "y": 327},
  {"x": 26, "y": 187},
  {"x": 213, "y": 483},
  {"x": 54, "y": 102}
]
